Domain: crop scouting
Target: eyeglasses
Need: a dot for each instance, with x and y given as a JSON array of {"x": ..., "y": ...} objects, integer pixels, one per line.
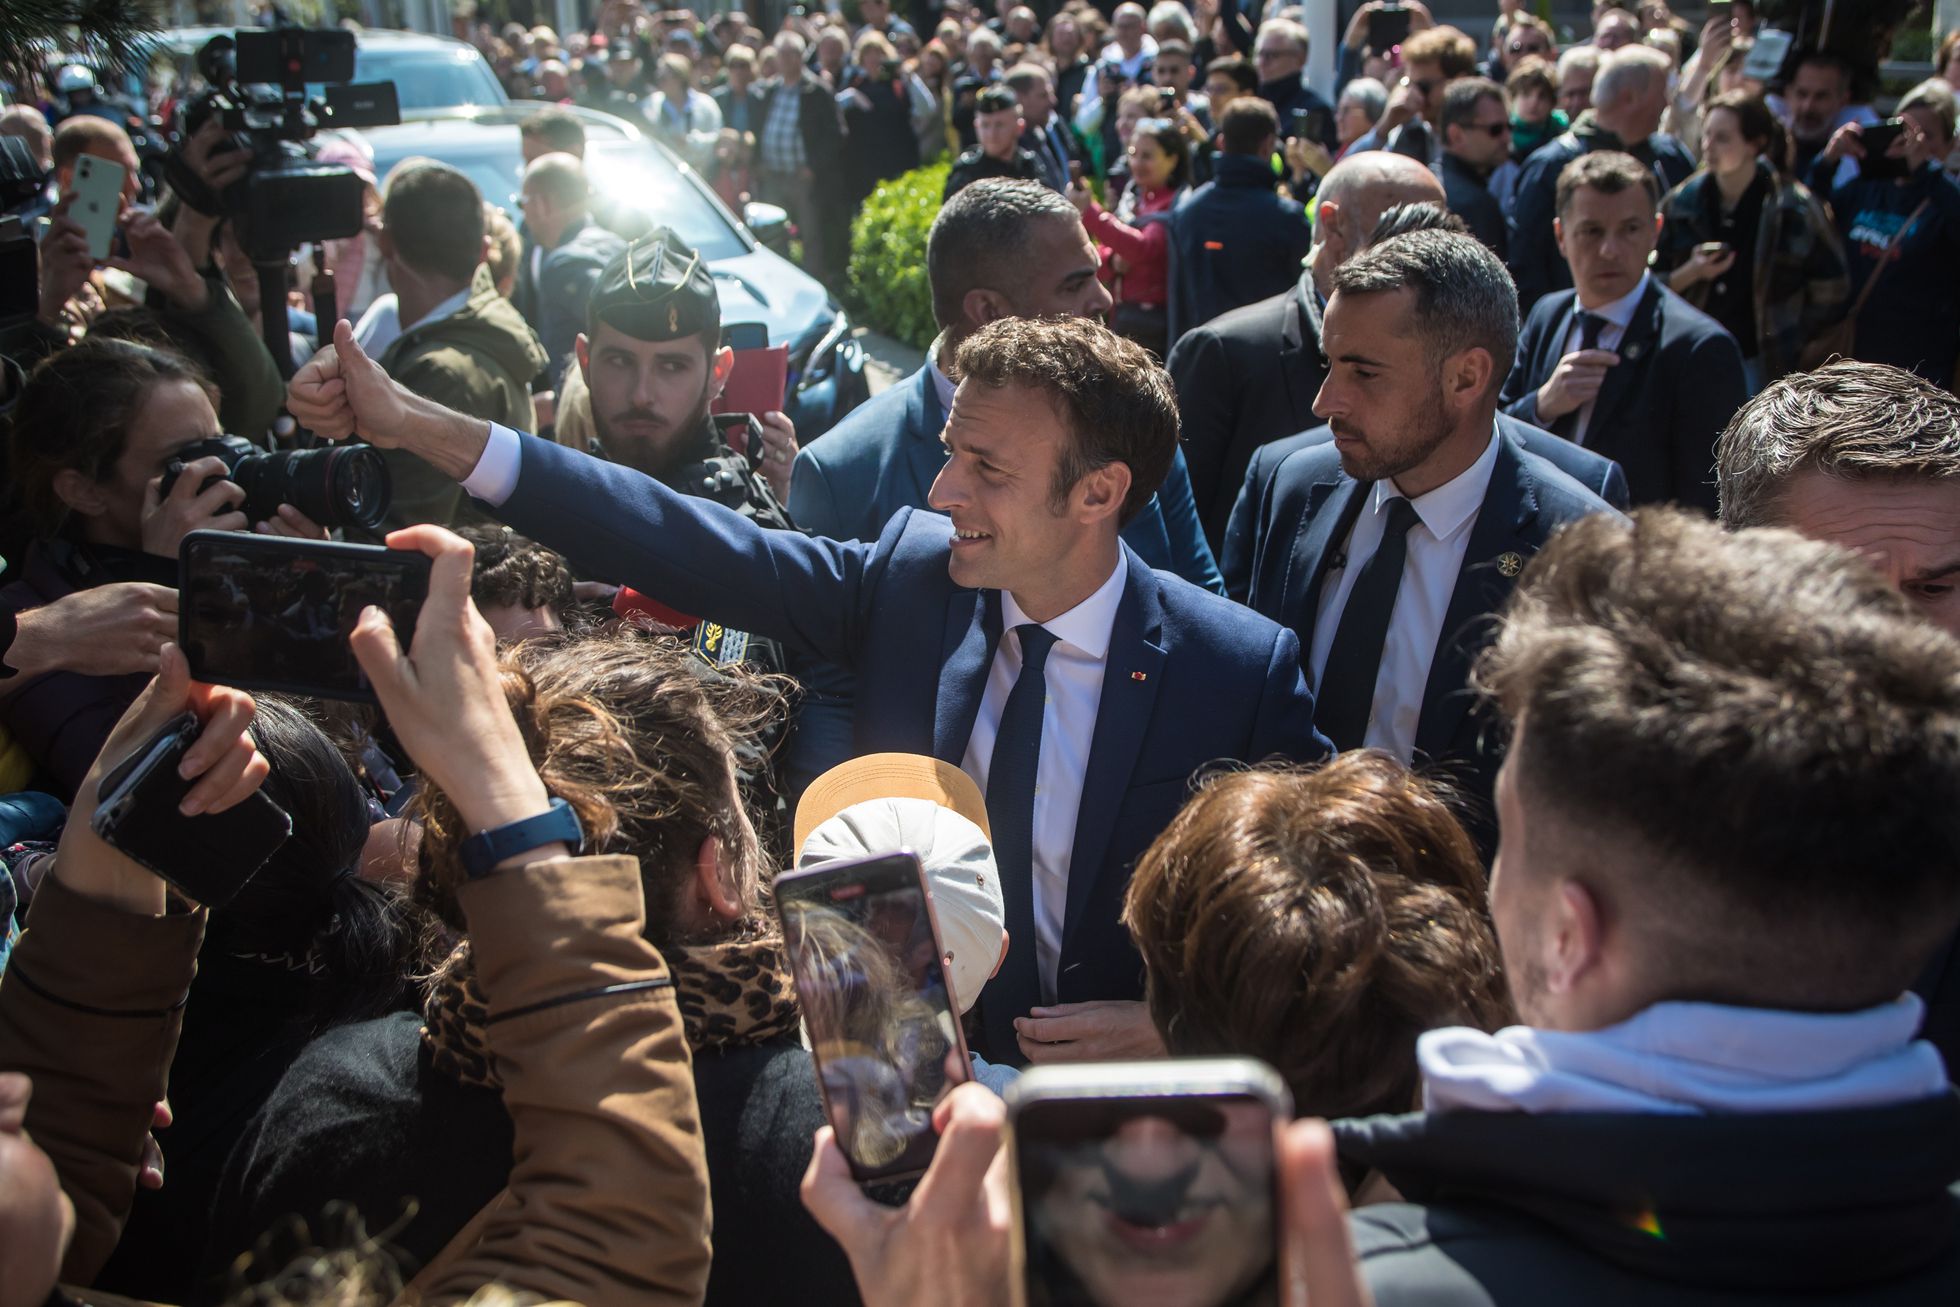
[{"x": 1528, "y": 47}]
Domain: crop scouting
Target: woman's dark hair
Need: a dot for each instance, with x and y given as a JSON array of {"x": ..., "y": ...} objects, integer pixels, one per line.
[
  {"x": 1172, "y": 141},
  {"x": 1757, "y": 124},
  {"x": 75, "y": 411},
  {"x": 307, "y": 911}
]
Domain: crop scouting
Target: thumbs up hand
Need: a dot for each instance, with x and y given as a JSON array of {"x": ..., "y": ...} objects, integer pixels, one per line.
[{"x": 342, "y": 392}]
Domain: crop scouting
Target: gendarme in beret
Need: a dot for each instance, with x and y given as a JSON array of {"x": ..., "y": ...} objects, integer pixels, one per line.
[{"x": 657, "y": 288}]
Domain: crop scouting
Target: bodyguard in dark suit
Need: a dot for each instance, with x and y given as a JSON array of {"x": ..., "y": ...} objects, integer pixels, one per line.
[
  {"x": 575, "y": 249},
  {"x": 1598, "y": 474},
  {"x": 1387, "y": 550},
  {"x": 1629, "y": 95},
  {"x": 1622, "y": 364},
  {"x": 1020, "y": 640}
]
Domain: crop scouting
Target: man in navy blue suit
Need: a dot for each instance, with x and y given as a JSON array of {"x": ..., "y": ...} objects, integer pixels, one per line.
[
  {"x": 1621, "y": 364},
  {"x": 1388, "y": 549},
  {"x": 998, "y": 249},
  {"x": 1021, "y": 639}
]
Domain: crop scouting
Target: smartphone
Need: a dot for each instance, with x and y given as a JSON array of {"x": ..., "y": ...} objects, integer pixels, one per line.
[
  {"x": 1713, "y": 249},
  {"x": 209, "y": 857},
  {"x": 1877, "y": 140},
  {"x": 1388, "y": 27},
  {"x": 1148, "y": 1182},
  {"x": 883, "y": 1026},
  {"x": 1768, "y": 55},
  {"x": 1307, "y": 124},
  {"x": 97, "y": 187},
  {"x": 745, "y": 335},
  {"x": 268, "y": 613}
]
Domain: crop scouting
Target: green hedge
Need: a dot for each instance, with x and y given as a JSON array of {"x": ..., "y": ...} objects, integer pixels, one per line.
[{"x": 888, "y": 290}]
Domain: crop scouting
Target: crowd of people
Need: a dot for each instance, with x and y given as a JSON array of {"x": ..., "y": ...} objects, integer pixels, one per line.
[{"x": 1445, "y": 583}]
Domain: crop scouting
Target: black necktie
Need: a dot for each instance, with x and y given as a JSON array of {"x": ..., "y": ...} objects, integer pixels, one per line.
[
  {"x": 1590, "y": 325},
  {"x": 1347, "y": 684},
  {"x": 1010, "y": 811}
]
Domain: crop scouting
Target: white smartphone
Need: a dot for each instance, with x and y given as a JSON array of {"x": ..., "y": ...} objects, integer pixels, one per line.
[{"x": 97, "y": 188}]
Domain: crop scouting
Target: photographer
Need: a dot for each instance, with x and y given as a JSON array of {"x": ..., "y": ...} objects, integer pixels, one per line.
[{"x": 94, "y": 434}]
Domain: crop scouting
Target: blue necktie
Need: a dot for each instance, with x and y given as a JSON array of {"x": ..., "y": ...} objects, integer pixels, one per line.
[{"x": 1010, "y": 811}]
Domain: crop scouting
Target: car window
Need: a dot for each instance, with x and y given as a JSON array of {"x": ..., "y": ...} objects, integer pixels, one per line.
[
  {"x": 431, "y": 79},
  {"x": 667, "y": 200}
]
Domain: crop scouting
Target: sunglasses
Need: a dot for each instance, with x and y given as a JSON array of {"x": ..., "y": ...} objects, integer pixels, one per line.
[
  {"x": 1492, "y": 130},
  {"x": 1528, "y": 47}
]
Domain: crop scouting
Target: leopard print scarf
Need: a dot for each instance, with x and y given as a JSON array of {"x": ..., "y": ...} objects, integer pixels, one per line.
[{"x": 731, "y": 993}]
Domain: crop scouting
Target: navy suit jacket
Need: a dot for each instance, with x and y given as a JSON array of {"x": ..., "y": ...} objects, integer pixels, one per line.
[
  {"x": 1303, "y": 522},
  {"x": 1678, "y": 382},
  {"x": 883, "y": 457},
  {"x": 1602, "y": 476},
  {"x": 1191, "y": 678}
]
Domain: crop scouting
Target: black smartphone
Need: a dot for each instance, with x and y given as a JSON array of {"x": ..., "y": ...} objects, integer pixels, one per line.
[
  {"x": 1307, "y": 124},
  {"x": 745, "y": 335},
  {"x": 864, "y": 950},
  {"x": 1148, "y": 1182},
  {"x": 1878, "y": 139},
  {"x": 209, "y": 857},
  {"x": 269, "y": 613},
  {"x": 1388, "y": 27},
  {"x": 1075, "y": 170}
]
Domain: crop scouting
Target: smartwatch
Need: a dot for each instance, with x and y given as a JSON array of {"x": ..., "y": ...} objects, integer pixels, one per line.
[{"x": 485, "y": 849}]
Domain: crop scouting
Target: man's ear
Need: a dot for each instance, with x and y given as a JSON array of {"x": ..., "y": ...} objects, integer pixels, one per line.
[
  {"x": 1558, "y": 233},
  {"x": 582, "y": 348},
  {"x": 713, "y": 889},
  {"x": 984, "y": 306},
  {"x": 79, "y": 493},
  {"x": 1469, "y": 376},
  {"x": 1577, "y": 938},
  {"x": 722, "y": 366},
  {"x": 1327, "y": 225},
  {"x": 1101, "y": 493}
]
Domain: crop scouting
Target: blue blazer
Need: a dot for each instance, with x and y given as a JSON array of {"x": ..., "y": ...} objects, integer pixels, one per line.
[
  {"x": 882, "y": 458},
  {"x": 1191, "y": 678},
  {"x": 1595, "y": 472},
  {"x": 1662, "y": 406},
  {"x": 1303, "y": 522}
]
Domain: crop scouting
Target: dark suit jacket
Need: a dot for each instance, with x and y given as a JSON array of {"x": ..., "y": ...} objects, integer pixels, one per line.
[
  {"x": 1303, "y": 522},
  {"x": 1190, "y": 677},
  {"x": 1233, "y": 241},
  {"x": 754, "y": 100},
  {"x": 564, "y": 287},
  {"x": 1244, "y": 378},
  {"x": 1043, "y": 145},
  {"x": 1602, "y": 476},
  {"x": 1470, "y": 199},
  {"x": 883, "y": 457},
  {"x": 1678, "y": 381}
]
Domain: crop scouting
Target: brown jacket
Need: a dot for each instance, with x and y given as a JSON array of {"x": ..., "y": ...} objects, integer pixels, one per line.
[{"x": 608, "y": 1200}]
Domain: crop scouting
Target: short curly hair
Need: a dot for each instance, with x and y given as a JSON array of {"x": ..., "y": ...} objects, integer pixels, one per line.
[{"x": 514, "y": 571}]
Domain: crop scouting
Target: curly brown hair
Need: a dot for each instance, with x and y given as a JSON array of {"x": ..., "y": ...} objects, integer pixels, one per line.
[
  {"x": 1319, "y": 920},
  {"x": 514, "y": 571},
  {"x": 638, "y": 736}
]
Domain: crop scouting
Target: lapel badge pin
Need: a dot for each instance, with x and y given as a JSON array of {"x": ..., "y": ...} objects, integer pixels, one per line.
[
  {"x": 1509, "y": 564},
  {"x": 1633, "y": 351},
  {"x": 1139, "y": 676}
]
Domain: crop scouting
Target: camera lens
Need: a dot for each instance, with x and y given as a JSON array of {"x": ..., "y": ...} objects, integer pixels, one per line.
[{"x": 342, "y": 486}]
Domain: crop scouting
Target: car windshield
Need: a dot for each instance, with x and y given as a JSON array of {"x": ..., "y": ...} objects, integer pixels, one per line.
[{"x": 430, "y": 79}]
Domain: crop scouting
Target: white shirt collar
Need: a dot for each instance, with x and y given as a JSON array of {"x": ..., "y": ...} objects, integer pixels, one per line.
[
  {"x": 1086, "y": 626},
  {"x": 454, "y": 304},
  {"x": 1451, "y": 506},
  {"x": 942, "y": 384},
  {"x": 1619, "y": 312}
]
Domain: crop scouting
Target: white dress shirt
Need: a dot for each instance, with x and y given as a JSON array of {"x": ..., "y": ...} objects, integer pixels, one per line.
[
  {"x": 1619, "y": 315},
  {"x": 1074, "y": 677},
  {"x": 1436, "y": 546}
]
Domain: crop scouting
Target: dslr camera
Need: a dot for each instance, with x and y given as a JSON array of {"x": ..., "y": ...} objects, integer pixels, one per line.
[
  {"x": 258, "y": 83},
  {"x": 342, "y": 485}
]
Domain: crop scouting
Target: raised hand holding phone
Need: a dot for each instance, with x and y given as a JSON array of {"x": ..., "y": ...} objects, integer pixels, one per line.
[
  {"x": 444, "y": 694},
  {"x": 223, "y": 763}
]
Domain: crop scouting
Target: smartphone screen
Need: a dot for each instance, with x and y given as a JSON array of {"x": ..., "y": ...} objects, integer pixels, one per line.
[
  {"x": 1387, "y": 28},
  {"x": 97, "y": 187},
  {"x": 865, "y": 953},
  {"x": 268, "y": 613},
  {"x": 1165, "y": 1198}
]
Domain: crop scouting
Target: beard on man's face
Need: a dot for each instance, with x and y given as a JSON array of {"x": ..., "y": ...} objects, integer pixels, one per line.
[
  {"x": 645, "y": 441},
  {"x": 1381, "y": 452}
]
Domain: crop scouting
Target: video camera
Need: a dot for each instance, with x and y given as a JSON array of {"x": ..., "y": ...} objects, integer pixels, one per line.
[{"x": 257, "y": 85}]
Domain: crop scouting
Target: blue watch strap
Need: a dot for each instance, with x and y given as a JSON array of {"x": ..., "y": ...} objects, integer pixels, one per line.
[{"x": 485, "y": 849}]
